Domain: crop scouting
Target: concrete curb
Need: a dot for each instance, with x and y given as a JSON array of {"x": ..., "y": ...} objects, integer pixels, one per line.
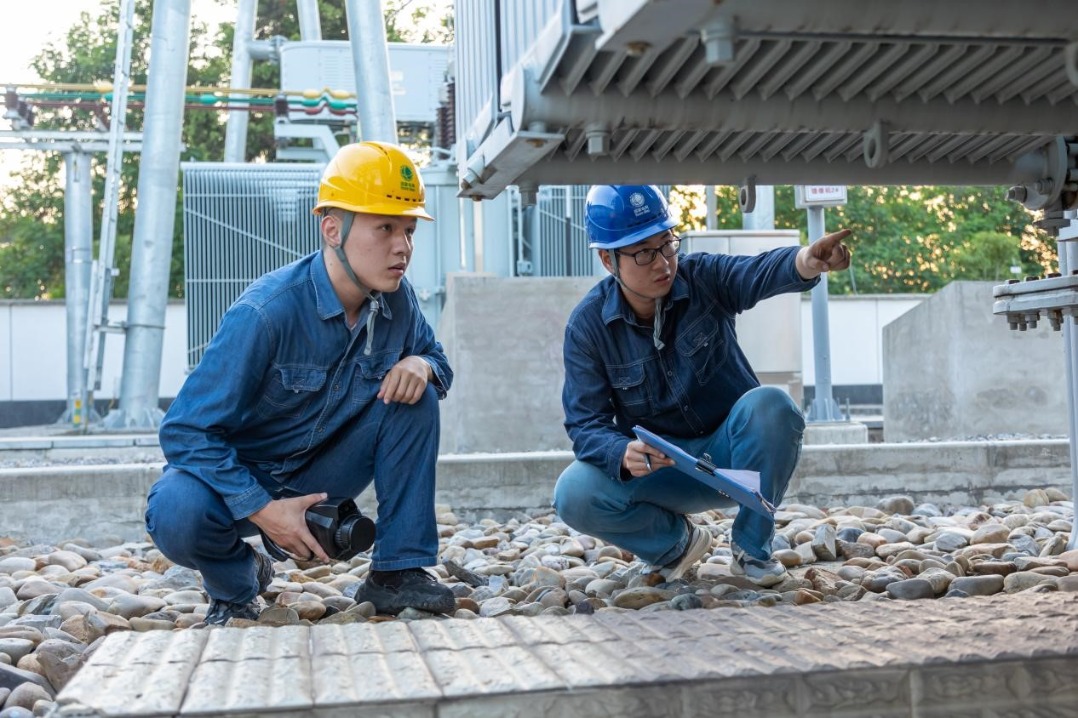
[{"x": 106, "y": 502}]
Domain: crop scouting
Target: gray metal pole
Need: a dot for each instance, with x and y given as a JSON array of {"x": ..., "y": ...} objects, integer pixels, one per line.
[
  {"x": 310, "y": 25},
  {"x": 236, "y": 129},
  {"x": 374, "y": 101},
  {"x": 78, "y": 260},
  {"x": 151, "y": 252},
  {"x": 1068, "y": 262},
  {"x": 762, "y": 216},
  {"x": 823, "y": 408},
  {"x": 712, "y": 203}
]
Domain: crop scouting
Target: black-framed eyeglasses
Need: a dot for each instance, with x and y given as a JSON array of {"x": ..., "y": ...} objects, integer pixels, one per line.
[{"x": 644, "y": 257}]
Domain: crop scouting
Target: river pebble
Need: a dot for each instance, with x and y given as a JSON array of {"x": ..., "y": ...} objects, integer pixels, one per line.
[{"x": 58, "y": 602}]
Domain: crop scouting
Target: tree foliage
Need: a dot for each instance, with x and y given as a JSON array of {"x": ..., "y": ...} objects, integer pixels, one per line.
[
  {"x": 905, "y": 239},
  {"x": 31, "y": 215}
]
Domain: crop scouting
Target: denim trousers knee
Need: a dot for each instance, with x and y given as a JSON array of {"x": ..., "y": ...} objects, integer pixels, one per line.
[
  {"x": 394, "y": 446},
  {"x": 644, "y": 515}
]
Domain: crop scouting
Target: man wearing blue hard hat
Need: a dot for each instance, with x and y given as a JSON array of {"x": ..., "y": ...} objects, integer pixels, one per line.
[{"x": 654, "y": 345}]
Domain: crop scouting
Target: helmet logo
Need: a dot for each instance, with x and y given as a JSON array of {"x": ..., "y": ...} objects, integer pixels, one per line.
[
  {"x": 407, "y": 178},
  {"x": 639, "y": 203}
]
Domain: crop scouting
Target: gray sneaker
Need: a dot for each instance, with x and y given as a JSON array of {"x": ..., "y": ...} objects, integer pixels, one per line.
[
  {"x": 698, "y": 545},
  {"x": 762, "y": 573}
]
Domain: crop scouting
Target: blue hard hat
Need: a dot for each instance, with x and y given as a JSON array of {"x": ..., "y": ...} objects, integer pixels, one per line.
[{"x": 620, "y": 215}]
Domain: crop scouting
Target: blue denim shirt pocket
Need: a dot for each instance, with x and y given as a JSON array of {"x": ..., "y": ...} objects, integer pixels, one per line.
[
  {"x": 630, "y": 388},
  {"x": 702, "y": 347},
  {"x": 370, "y": 371},
  {"x": 290, "y": 391}
]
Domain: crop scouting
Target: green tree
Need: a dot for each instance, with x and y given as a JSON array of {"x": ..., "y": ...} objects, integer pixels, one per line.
[{"x": 905, "y": 239}]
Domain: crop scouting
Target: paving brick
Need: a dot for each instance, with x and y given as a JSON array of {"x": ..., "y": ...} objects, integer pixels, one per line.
[
  {"x": 133, "y": 691},
  {"x": 353, "y": 638},
  {"x": 220, "y": 687},
  {"x": 478, "y": 671},
  {"x": 151, "y": 647},
  {"x": 648, "y": 702},
  {"x": 775, "y": 697},
  {"x": 266, "y": 643},
  {"x": 372, "y": 678},
  {"x": 558, "y": 629},
  {"x": 457, "y": 635}
]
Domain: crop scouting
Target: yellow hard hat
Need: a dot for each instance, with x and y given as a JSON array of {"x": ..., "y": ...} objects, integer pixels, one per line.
[{"x": 373, "y": 178}]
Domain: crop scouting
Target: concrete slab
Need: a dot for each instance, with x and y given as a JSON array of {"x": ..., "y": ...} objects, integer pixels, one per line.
[
  {"x": 835, "y": 432},
  {"x": 104, "y": 503},
  {"x": 1002, "y": 655}
]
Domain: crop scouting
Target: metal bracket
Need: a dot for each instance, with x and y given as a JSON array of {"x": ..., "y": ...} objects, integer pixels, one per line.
[
  {"x": 746, "y": 197},
  {"x": 1049, "y": 182},
  {"x": 875, "y": 145},
  {"x": 1024, "y": 302},
  {"x": 1070, "y": 62}
]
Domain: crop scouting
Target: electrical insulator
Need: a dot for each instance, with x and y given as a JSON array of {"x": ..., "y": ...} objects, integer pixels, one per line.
[{"x": 280, "y": 106}]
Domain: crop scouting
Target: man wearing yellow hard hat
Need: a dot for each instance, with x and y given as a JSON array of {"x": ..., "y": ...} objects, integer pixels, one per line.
[{"x": 323, "y": 377}]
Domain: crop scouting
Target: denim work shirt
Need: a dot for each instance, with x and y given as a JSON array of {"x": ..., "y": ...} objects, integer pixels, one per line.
[
  {"x": 282, "y": 374},
  {"x": 616, "y": 378}
]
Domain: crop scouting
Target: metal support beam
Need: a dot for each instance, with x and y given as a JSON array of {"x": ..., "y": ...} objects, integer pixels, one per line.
[
  {"x": 367, "y": 33},
  {"x": 519, "y": 161},
  {"x": 310, "y": 26},
  {"x": 78, "y": 259},
  {"x": 752, "y": 113},
  {"x": 823, "y": 408},
  {"x": 1068, "y": 263},
  {"x": 151, "y": 254},
  {"x": 236, "y": 129}
]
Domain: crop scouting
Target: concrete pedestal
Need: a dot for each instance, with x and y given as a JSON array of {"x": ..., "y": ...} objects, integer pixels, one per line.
[{"x": 836, "y": 432}]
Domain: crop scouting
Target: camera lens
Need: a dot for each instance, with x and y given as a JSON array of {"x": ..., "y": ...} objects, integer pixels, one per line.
[{"x": 355, "y": 534}]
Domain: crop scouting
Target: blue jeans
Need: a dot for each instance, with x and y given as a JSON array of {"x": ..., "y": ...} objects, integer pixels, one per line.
[
  {"x": 395, "y": 446},
  {"x": 644, "y": 515}
]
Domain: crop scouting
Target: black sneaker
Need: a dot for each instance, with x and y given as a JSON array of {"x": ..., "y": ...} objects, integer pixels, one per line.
[
  {"x": 265, "y": 570},
  {"x": 393, "y": 591},
  {"x": 222, "y": 611}
]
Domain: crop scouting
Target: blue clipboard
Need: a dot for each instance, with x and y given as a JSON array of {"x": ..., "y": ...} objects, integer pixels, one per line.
[{"x": 737, "y": 484}]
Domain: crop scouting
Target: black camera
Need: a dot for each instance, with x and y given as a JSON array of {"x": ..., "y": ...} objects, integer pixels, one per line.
[{"x": 338, "y": 527}]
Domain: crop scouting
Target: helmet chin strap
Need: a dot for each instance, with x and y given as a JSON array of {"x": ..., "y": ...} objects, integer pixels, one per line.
[
  {"x": 657, "y": 321},
  {"x": 346, "y": 227}
]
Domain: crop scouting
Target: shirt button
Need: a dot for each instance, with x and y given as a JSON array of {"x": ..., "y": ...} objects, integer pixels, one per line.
[
  {"x": 336, "y": 387},
  {"x": 669, "y": 373},
  {"x": 686, "y": 407}
]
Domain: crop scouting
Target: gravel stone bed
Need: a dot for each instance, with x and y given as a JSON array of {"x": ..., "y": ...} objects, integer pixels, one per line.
[{"x": 59, "y": 602}]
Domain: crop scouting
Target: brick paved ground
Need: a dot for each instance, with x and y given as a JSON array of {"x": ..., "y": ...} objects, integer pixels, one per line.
[{"x": 1007, "y": 655}]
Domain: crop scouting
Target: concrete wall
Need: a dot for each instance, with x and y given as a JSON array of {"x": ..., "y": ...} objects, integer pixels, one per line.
[
  {"x": 856, "y": 325},
  {"x": 952, "y": 369},
  {"x": 33, "y": 351},
  {"x": 504, "y": 341}
]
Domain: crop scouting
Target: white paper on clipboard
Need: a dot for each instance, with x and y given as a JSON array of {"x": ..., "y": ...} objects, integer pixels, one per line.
[{"x": 739, "y": 485}]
